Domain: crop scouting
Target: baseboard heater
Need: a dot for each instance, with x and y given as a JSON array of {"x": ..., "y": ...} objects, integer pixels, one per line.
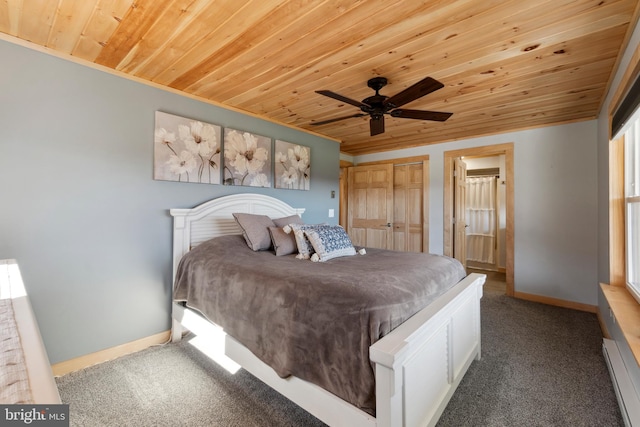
[{"x": 625, "y": 391}]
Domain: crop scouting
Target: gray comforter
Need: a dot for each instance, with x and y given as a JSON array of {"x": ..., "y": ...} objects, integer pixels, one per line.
[{"x": 315, "y": 321}]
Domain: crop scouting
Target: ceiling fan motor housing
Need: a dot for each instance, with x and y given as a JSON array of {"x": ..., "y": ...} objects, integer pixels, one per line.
[{"x": 374, "y": 104}]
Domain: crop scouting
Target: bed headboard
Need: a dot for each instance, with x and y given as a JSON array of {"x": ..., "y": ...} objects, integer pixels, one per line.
[{"x": 214, "y": 218}]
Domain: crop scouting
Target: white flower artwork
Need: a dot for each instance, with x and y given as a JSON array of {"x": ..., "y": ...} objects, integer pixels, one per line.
[
  {"x": 186, "y": 150},
  {"x": 293, "y": 166},
  {"x": 247, "y": 159}
]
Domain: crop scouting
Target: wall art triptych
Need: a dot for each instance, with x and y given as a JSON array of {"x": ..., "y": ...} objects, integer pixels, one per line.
[
  {"x": 293, "y": 166},
  {"x": 247, "y": 159},
  {"x": 187, "y": 150}
]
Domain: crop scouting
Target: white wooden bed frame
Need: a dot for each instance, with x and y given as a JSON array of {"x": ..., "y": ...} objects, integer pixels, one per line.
[{"x": 417, "y": 366}]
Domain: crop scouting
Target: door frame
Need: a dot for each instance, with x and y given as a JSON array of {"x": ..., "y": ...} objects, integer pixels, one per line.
[
  {"x": 425, "y": 189},
  {"x": 459, "y": 220},
  {"x": 484, "y": 151},
  {"x": 344, "y": 193}
]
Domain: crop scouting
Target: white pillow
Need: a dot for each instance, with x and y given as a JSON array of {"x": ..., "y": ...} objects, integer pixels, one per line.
[{"x": 330, "y": 241}]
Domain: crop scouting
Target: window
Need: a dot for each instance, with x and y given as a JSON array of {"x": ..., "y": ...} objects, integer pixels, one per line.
[{"x": 632, "y": 205}]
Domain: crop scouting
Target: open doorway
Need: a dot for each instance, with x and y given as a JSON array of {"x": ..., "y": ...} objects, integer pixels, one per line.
[
  {"x": 485, "y": 213},
  {"x": 453, "y": 221}
]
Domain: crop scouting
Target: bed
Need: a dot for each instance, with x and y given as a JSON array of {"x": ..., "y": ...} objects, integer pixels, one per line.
[{"x": 415, "y": 359}]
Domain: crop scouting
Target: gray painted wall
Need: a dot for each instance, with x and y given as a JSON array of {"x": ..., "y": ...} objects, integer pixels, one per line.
[
  {"x": 80, "y": 210},
  {"x": 556, "y": 221}
]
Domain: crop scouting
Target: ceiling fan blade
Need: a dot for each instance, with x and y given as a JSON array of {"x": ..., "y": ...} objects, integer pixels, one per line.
[
  {"x": 324, "y": 122},
  {"x": 415, "y": 91},
  {"x": 376, "y": 125},
  {"x": 340, "y": 98},
  {"x": 436, "y": 116}
]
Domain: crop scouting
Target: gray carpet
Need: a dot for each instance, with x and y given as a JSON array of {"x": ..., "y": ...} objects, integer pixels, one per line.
[
  {"x": 541, "y": 366},
  {"x": 174, "y": 385}
]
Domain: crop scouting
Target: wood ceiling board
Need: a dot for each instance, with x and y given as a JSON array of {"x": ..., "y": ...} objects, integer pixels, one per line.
[
  {"x": 68, "y": 24},
  {"x": 558, "y": 83},
  {"x": 98, "y": 29},
  {"x": 488, "y": 49},
  {"x": 173, "y": 21},
  {"x": 291, "y": 53},
  {"x": 268, "y": 107},
  {"x": 263, "y": 54},
  {"x": 534, "y": 82},
  {"x": 10, "y": 12},
  {"x": 358, "y": 61},
  {"x": 222, "y": 29},
  {"x": 237, "y": 45},
  {"x": 36, "y": 20},
  {"x": 517, "y": 110},
  {"x": 506, "y": 65},
  {"x": 140, "y": 17},
  {"x": 197, "y": 28},
  {"x": 348, "y": 72}
]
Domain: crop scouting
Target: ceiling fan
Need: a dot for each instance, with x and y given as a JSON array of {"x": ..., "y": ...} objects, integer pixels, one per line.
[{"x": 378, "y": 105}]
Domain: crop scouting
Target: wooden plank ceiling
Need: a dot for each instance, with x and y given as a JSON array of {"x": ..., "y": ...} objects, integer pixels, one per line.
[{"x": 505, "y": 64}]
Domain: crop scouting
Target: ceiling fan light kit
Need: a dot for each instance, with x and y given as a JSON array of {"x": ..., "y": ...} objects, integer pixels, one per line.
[{"x": 376, "y": 106}]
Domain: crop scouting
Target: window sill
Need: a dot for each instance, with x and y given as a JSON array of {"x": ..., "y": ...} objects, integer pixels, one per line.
[{"x": 626, "y": 312}]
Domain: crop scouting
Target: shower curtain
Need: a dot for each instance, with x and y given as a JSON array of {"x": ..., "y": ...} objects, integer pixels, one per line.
[{"x": 481, "y": 219}]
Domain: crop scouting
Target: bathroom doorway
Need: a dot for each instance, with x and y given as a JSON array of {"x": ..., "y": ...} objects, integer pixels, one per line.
[{"x": 491, "y": 254}]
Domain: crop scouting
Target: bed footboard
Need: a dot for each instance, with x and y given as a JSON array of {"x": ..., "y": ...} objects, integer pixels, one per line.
[{"x": 419, "y": 365}]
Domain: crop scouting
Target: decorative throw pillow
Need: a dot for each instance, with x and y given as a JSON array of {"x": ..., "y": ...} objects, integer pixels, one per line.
[
  {"x": 283, "y": 243},
  {"x": 293, "y": 219},
  {"x": 305, "y": 249},
  {"x": 329, "y": 241},
  {"x": 255, "y": 229}
]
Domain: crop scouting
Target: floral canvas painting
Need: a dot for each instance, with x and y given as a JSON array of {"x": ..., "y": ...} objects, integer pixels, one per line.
[
  {"x": 293, "y": 166},
  {"x": 247, "y": 159},
  {"x": 186, "y": 150}
]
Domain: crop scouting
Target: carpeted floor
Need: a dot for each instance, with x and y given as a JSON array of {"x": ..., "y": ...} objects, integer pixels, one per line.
[
  {"x": 540, "y": 366},
  {"x": 174, "y": 385}
]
